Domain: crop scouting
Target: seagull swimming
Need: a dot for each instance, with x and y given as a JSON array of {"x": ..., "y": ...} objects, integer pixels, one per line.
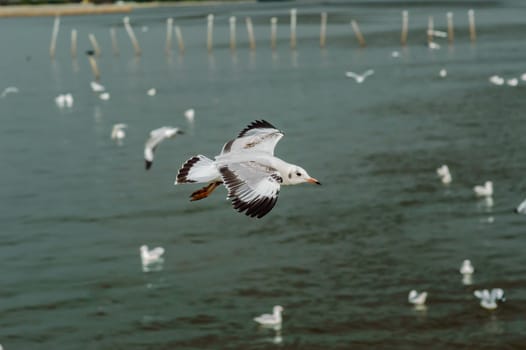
[
  {"x": 444, "y": 174},
  {"x": 496, "y": 80},
  {"x": 521, "y": 209},
  {"x": 433, "y": 46},
  {"x": 360, "y": 78},
  {"x": 416, "y": 298},
  {"x": 189, "y": 114},
  {"x": 273, "y": 319},
  {"x": 512, "y": 82},
  {"x": 64, "y": 100},
  {"x": 489, "y": 299},
  {"x": 9, "y": 90},
  {"x": 437, "y": 33},
  {"x": 117, "y": 133},
  {"x": 96, "y": 87},
  {"x": 156, "y": 137},
  {"x": 484, "y": 191},
  {"x": 105, "y": 96},
  {"x": 467, "y": 268},
  {"x": 443, "y": 73},
  {"x": 152, "y": 256},
  {"x": 248, "y": 169},
  {"x": 151, "y": 92}
]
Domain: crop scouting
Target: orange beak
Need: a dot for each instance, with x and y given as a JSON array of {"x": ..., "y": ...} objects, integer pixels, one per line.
[{"x": 313, "y": 181}]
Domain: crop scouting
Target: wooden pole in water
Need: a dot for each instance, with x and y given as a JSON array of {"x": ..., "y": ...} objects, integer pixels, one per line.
[
  {"x": 273, "y": 32},
  {"x": 450, "y": 32},
  {"x": 405, "y": 27},
  {"x": 210, "y": 32},
  {"x": 95, "y": 44},
  {"x": 232, "y": 21},
  {"x": 169, "y": 31},
  {"x": 293, "y": 13},
  {"x": 73, "y": 43},
  {"x": 94, "y": 67},
  {"x": 114, "y": 45},
  {"x": 131, "y": 34},
  {"x": 430, "y": 27},
  {"x": 250, "y": 31},
  {"x": 358, "y": 33},
  {"x": 472, "y": 33},
  {"x": 323, "y": 29},
  {"x": 54, "y": 34},
  {"x": 180, "y": 41}
]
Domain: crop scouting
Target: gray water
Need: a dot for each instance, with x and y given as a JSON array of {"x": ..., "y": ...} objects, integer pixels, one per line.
[{"x": 340, "y": 258}]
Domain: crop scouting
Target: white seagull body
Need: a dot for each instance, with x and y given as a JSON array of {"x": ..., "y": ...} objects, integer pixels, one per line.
[
  {"x": 152, "y": 256},
  {"x": 437, "y": 33},
  {"x": 488, "y": 300},
  {"x": 96, "y": 87},
  {"x": 9, "y": 90},
  {"x": 444, "y": 174},
  {"x": 156, "y": 137},
  {"x": 273, "y": 319},
  {"x": 467, "y": 268},
  {"x": 496, "y": 80},
  {"x": 484, "y": 191},
  {"x": 359, "y": 78},
  {"x": 151, "y": 92},
  {"x": 512, "y": 82},
  {"x": 416, "y": 298},
  {"x": 521, "y": 209},
  {"x": 117, "y": 132},
  {"x": 189, "y": 114},
  {"x": 105, "y": 96},
  {"x": 65, "y": 100},
  {"x": 248, "y": 169},
  {"x": 433, "y": 46},
  {"x": 443, "y": 73}
]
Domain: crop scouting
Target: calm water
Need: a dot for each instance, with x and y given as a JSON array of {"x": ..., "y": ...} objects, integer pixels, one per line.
[{"x": 341, "y": 258}]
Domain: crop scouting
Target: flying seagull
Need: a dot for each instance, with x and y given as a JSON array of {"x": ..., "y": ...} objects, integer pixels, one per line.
[
  {"x": 248, "y": 169},
  {"x": 156, "y": 137},
  {"x": 360, "y": 78}
]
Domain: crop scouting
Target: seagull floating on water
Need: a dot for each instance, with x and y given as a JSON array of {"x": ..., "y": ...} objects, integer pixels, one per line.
[
  {"x": 512, "y": 82},
  {"x": 416, "y": 298},
  {"x": 359, "y": 78},
  {"x": 484, "y": 191},
  {"x": 496, "y": 80},
  {"x": 153, "y": 256},
  {"x": 437, "y": 33},
  {"x": 273, "y": 319},
  {"x": 64, "y": 100},
  {"x": 156, "y": 137},
  {"x": 248, "y": 168},
  {"x": 117, "y": 133},
  {"x": 151, "y": 92},
  {"x": 489, "y": 299},
  {"x": 9, "y": 90},
  {"x": 444, "y": 174},
  {"x": 443, "y": 73},
  {"x": 395, "y": 54},
  {"x": 433, "y": 46},
  {"x": 105, "y": 96},
  {"x": 96, "y": 87},
  {"x": 521, "y": 209},
  {"x": 467, "y": 268},
  {"x": 189, "y": 114}
]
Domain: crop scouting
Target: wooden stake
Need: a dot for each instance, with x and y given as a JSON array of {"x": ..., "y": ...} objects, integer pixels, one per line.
[
  {"x": 450, "y": 32},
  {"x": 54, "y": 34},
  {"x": 131, "y": 34},
  {"x": 405, "y": 26},
  {"x": 95, "y": 44},
  {"x": 169, "y": 31},
  {"x": 114, "y": 45},
  {"x": 232, "y": 21},
  {"x": 180, "y": 40},
  {"x": 73, "y": 43},
  {"x": 358, "y": 33},
  {"x": 210, "y": 32},
  {"x": 94, "y": 67},
  {"x": 323, "y": 29},
  {"x": 273, "y": 32},
  {"x": 430, "y": 27},
  {"x": 293, "y": 13},
  {"x": 472, "y": 32},
  {"x": 250, "y": 31}
]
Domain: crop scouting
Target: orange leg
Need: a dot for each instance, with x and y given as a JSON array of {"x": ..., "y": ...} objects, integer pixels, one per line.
[{"x": 205, "y": 191}]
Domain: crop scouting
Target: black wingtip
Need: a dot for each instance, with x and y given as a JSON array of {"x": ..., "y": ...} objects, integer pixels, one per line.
[
  {"x": 148, "y": 164},
  {"x": 255, "y": 125}
]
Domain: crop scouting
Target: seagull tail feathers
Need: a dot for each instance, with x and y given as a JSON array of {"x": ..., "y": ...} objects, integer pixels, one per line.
[{"x": 197, "y": 169}]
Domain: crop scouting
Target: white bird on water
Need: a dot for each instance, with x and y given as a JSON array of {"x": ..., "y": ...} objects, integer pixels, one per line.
[
  {"x": 359, "y": 78},
  {"x": 151, "y": 92},
  {"x": 467, "y": 268},
  {"x": 433, "y": 46},
  {"x": 189, "y": 114},
  {"x": 153, "y": 256},
  {"x": 156, "y": 137},
  {"x": 489, "y": 299},
  {"x": 416, "y": 298},
  {"x": 484, "y": 191},
  {"x": 105, "y": 96},
  {"x": 512, "y": 82},
  {"x": 117, "y": 132},
  {"x": 443, "y": 73},
  {"x": 496, "y": 80},
  {"x": 444, "y": 174},
  {"x": 64, "y": 100},
  {"x": 9, "y": 90},
  {"x": 270, "y": 320},
  {"x": 248, "y": 169},
  {"x": 96, "y": 87},
  {"x": 521, "y": 209}
]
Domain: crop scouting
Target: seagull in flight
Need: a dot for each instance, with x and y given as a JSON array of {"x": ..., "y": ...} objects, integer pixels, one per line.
[
  {"x": 156, "y": 137},
  {"x": 489, "y": 299},
  {"x": 360, "y": 78},
  {"x": 247, "y": 168}
]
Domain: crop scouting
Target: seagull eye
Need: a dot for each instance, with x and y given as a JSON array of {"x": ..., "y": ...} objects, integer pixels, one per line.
[{"x": 298, "y": 174}]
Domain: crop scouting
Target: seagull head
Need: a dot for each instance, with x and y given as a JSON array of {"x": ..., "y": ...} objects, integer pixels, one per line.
[
  {"x": 296, "y": 175},
  {"x": 277, "y": 309}
]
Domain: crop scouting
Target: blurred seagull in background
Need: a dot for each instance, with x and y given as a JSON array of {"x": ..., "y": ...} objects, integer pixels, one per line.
[
  {"x": 189, "y": 114},
  {"x": 156, "y": 137},
  {"x": 271, "y": 320},
  {"x": 433, "y": 46},
  {"x": 467, "y": 268},
  {"x": 117, "y": 132},
  {"x": 484, "y": 191},
  {"x": 96, "y": 87},
  {"x": 64, "y": 100},
  {"x": 444, "y": 174},
  {"x": 443, "y": 73},
  {"x": 512, "y": 82},
  {"x": 248, "y": 168},
  {"x": 9, "y": 90},
  {"x": 496, "y": 80},
  {"x": 437, "y": 33},
  {"x": 105, "y": 96},
  {"x": 359, "y": 78},
  {"x": 153, "y": 256},
  {"x": 151, "y": 92},
  {"x": 521, "y": 209},
  {"x": 489, "y": 300},
  {"x": 416, "y": 298}
]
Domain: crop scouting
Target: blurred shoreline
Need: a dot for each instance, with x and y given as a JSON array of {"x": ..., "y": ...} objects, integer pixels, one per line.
[{"x": 91, "y": 9}]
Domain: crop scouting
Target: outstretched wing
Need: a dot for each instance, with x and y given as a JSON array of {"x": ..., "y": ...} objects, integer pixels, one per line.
[
  {"x": 351, "y": 75},
  {"x": 252, "y": 187},
  {"x": 259, "y": 136}
]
